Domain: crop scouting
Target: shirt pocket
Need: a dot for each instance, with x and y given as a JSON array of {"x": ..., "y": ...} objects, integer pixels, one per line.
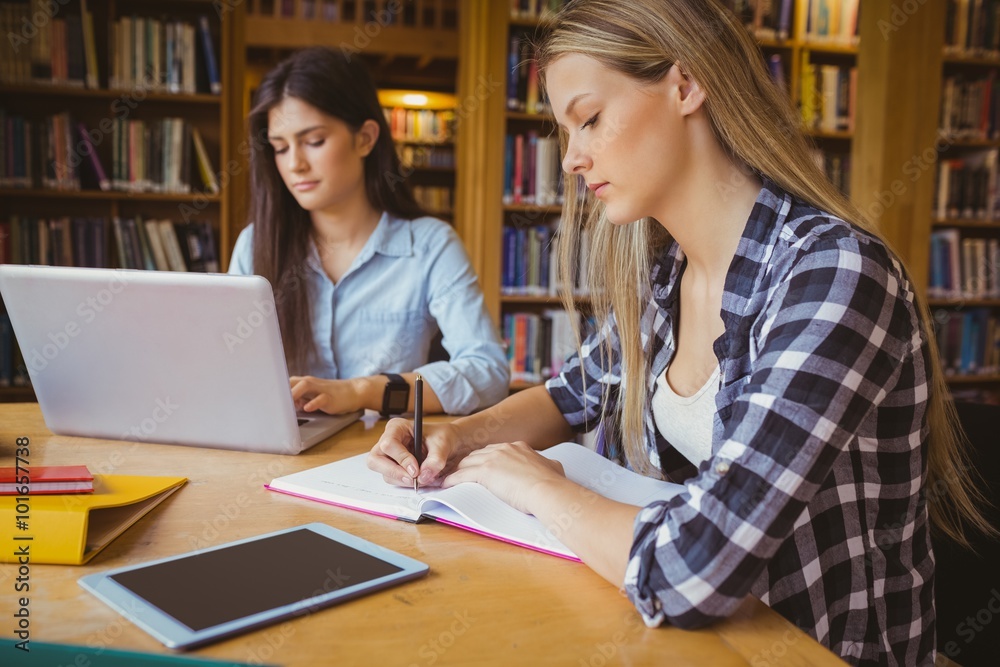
[{"x": 390, "y": 340}]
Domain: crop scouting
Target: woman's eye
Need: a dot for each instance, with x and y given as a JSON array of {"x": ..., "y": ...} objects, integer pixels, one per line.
[
  {"x": 590, "y": 121},
  {"x": 279, "y": 151},
  {"x": 317, "y": 143}
]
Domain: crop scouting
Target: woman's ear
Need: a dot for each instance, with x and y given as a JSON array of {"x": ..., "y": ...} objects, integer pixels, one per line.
[
  {"x": 692, "y": 95},
  {"x": 366, "y": 137}
]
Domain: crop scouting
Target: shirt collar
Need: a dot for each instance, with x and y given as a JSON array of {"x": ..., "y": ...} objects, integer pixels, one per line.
[
  {"x": 392, "y": 236},
  {"x": 749, "y": 263}
]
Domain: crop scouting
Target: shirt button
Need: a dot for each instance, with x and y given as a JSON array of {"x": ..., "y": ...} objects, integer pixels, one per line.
[{"x": 722, "y": 467}]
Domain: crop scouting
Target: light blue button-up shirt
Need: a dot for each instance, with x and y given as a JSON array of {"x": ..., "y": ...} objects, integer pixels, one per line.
[{"x": 411, "y": 279}]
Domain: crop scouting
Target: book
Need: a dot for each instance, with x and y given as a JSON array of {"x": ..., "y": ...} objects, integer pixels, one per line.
[
  {"x": 98, "y": 655},
  {"x": 349, "y": 483},
  {"x": 209, "y": 56},
  {"x": 72, "y": 529},
  {"x": 45, "y": 479}
]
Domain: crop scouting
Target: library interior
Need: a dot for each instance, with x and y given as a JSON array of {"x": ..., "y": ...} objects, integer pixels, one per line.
[{"x": 124, "y": 144}]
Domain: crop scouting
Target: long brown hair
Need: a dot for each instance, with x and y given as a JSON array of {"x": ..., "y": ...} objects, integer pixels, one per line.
[
  {"x": 752, "y": 119},
  {"x": 341, "y": 87}
]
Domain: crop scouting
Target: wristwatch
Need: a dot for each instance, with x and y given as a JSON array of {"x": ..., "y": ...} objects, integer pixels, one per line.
[{"x": 396, "y": 398}]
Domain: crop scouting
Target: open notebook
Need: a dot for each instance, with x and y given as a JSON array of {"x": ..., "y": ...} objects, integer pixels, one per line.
[{"x": 349, "y": 483}]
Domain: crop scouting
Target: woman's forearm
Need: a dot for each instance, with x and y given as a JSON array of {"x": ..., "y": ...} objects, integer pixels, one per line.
[
  {"x": 596, "y": 529},
  {"x": 530, "y": 416}
]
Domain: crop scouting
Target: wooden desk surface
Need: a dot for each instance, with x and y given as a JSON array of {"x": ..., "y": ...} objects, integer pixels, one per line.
[{"x": 484, "y": 602}]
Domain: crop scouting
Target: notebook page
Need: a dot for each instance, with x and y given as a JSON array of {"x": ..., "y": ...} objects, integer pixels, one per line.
[
  {"x": 607, "y": 478},
  {"x": 471, "y": 505},
  {"x": 351, "y": 483}
]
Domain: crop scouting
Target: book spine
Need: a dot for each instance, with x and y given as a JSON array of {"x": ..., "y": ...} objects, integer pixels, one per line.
[
  {"x": 95, "y": 162},
  {"x": 215, "y": 84}
]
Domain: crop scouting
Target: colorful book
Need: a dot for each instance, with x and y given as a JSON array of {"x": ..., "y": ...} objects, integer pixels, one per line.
[
  {"x": 72, "y": 529},
  {"x": 45, "y": 480},
  {"x": 349, "y": 483}
]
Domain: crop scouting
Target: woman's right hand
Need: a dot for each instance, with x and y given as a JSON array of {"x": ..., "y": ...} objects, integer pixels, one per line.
[{"x": 392, "y": 456}]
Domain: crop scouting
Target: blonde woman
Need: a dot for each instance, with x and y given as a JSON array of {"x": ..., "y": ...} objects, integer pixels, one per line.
[{"x": 759, "y": 343}]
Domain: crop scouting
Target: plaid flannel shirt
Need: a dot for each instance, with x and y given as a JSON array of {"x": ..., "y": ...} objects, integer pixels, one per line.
[{"x": 813, "y": 498}]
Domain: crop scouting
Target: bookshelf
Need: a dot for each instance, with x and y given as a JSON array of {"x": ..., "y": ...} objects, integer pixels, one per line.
[
  {"x": 68, "y": 71},
  {"x": 790, "y": 52},
  {"x": 964, "y": 262}
]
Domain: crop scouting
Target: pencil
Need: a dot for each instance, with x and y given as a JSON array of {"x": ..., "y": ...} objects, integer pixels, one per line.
[{"x": 418, "y": 425}]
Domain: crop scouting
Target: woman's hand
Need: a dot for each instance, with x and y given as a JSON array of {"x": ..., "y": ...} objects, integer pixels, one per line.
[
  {"x": 514, "y": 472},
  {"x": 331, "y": 396},
  {"x": 392, "y": 456}
]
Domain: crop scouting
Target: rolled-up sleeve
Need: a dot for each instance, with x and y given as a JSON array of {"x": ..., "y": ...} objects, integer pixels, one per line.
[
  {"x": 476, "y": 375},
  {"x": 830, "y": 343},
  {"x": 586, "y": 377}
]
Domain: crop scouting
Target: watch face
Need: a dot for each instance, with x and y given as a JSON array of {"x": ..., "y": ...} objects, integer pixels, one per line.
[{"x": 397, "y": 401}]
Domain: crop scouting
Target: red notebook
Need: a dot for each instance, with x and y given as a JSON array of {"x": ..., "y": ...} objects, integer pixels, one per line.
[{"x": 46, "y": 479}]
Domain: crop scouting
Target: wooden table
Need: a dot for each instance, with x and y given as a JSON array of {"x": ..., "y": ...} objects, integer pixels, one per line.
[{"x": 484, "y": 602}]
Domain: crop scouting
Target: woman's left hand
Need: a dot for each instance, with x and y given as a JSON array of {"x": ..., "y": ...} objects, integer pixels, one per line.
[
  {"x": 330, "y": 396},
  {"x": 513, "y": 472}
]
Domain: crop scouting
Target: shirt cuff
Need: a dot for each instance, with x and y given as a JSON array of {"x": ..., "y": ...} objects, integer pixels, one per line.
[{"x": 455, "y": 392}]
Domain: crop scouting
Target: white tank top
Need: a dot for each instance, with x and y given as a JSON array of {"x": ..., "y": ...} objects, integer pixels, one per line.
[{"x": 686, "y": 421}]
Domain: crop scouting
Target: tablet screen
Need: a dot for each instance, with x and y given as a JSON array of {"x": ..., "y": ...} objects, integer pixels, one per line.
[{"x": 214, "y": 587}]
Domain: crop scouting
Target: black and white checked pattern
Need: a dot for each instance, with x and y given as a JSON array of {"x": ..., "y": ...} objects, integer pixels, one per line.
[{"x": 813, "y": 499}]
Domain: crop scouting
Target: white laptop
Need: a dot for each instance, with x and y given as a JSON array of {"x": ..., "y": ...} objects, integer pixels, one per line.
[{"x": 157, "y": 356}]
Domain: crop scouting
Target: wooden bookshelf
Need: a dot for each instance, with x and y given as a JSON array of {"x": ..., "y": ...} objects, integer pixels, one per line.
[
  {"x": 980, "y": 62},
  {"x": 486, "y": 52},
  {"x": 97, "y": 107}
]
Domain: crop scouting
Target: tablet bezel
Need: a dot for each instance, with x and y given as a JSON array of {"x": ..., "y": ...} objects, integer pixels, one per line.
[{"x": 174, "y": 634}]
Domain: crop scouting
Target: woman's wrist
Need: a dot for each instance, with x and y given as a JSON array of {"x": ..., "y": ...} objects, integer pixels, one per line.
[{"x": 366, "y": 392}]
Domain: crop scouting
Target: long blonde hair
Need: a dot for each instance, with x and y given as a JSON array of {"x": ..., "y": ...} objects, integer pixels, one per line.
[{"x": 753, "y": 120}]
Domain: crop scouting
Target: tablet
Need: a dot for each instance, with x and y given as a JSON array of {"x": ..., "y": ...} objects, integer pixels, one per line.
[{"x": 202, "y": 596}]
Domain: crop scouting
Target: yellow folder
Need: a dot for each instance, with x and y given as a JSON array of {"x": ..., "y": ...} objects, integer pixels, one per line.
[{"x": 70, "y": 529}]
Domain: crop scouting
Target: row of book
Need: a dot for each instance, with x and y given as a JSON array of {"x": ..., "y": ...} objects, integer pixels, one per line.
[
  {"x": 61, "y": 153},
  {"x": 382, "y": 12},
  {"x": 972, "y": 27},
  {"x": 41, "y": 46},
  {"x": 13, "y": 370},
  {"x": 439, "y": 157},
  {"x": 424, "y": 125},
  {"x": 826, "y": 21},
  {"x": 145, "y": 53},
  {"x": 963, "y": 268},
  {"x": 434, "y": 198},
  {"x": 532, "y": 172},
  {"x": 967, "y": 187},
  {"x": 160, "y": 245},
  {"x": 829, "y": 95},
  {"x": 533, "y": 9},
  {"x": 970, "y": 108},
  {"x": 537, "y": 345},
  {"x": 530, "y": 262},
  {"x": 968, "y": 341},
  {"x": 163, "y": 55},
  {"x": 523, "y": 93}
]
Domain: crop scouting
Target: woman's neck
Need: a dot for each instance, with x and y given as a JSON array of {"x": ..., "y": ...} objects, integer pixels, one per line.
[
  {"x": 347, "y": 225},
  {"x": 711, "y": 208}
]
